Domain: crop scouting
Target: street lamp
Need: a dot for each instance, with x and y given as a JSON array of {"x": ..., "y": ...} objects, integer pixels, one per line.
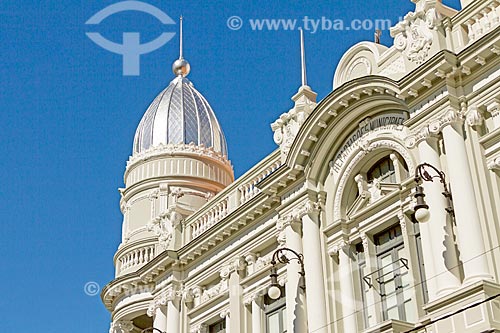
[
  {"x": 274, "y": 291},
  {"x": 421, "y": 174},
  {"x": 152, "y": 330}
]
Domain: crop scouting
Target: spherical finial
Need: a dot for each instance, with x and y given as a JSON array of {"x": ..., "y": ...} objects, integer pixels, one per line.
[{"x": 181, "y": 67}]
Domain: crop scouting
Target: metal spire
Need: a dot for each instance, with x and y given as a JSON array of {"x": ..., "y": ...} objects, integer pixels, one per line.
[
  {"x": 180, "y": 36},
  {"x": 303, "y": 58},
  {"x": 181, "y": 66}
]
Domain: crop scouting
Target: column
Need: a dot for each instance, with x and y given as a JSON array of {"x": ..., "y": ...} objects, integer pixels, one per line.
[
  {"x": 295, "y": 298},
  {"x": 470, "y": 238},
  {"x": 257, "y": 324},
  {"x": 346, "y": 287},
  {"x": 236, "y": 306},
  {"x": 225, "y": 315},
  {"x": 313, "y": 262},
  {"x": 173, "y": 315},
  {"x": 438, "y": 240},
  {"x": 160, "y": 318}
]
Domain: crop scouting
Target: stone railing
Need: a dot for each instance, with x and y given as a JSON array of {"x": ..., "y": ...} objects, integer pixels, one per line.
[
  {"x": 249, "y": 189},
  {"x": 135, "y": 258},
  {"x": 480, "y": 19},
  {"x": 231, "y": 198},
  {"x": 211, "y": 217}
]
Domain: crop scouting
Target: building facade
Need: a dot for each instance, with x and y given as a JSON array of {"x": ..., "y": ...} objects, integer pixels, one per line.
[{"x": 197, "y": 245}]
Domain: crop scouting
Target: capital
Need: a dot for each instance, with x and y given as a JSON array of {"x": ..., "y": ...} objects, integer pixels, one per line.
[
  {"x": 474, "y": 116},
  {"x": 494, "y": 164},
  {"x": 122, "y": 326}
]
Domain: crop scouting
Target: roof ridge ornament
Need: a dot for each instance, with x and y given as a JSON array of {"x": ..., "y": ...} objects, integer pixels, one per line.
[
  {"x": 286, "y": 127},
  {"x": 181, "y": 67},
  {"x": 303, "y": 58}
]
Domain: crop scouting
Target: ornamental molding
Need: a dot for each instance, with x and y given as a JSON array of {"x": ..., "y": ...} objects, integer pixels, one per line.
[
  {"x": 414, "y": 35},
  {"x": 122, "y": 326},
  {"x": 474, "y": 116},
  {"x": 357, "y": 156},
  {"x": 294, "y": 218},
  {"x": 224, "y": 313},
  {"x": 162, "y": 300},
  {"x": 256, "y": 296},
  {"x": 337, "y": 247},
  {"x": 434, "y": 127},
  {"x": 364, "y": 241},
  {"x": 494, "y": 164},
  {"x": 402, "y": 222},
  {"x": 163, "y": 226},
  {"x": 263, "y": 261},
  {"x": 235, "y": 265},
  {"x": 494, "y": 108},
  {"x": 230, "y": 248},
  {"x": 359, "y": 61},
  {"x": 287, "y": 126},
  {"x": 170, "y": 150},
  {"x": 199, "y": 328}
]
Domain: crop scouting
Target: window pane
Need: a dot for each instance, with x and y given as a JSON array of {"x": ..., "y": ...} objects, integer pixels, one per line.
[
  {"x": 411, "y": 311},
  {"x": 273, "y": 323},
  {"x": 393, "y": 313}
]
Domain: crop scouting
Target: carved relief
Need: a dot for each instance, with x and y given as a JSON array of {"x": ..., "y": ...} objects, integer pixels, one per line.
[
  {"x": 287, "y": 126},
  {"x": 161, "y": 300},
  {"x": 474, "y": 117},
  {"x": 494, "y": 164},
  {"x": 163, "y": 226},
  {"x": 200, "y": 328},
  {"x": 414, "y": 35},
  {"x": 121, "y": 327}
]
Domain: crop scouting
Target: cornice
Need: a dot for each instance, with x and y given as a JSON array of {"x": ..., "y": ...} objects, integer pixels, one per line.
[
  {"x": 173, "y": 150},
  {"x": 441, "y": 66},
  {"x": 351, "y": 95}
]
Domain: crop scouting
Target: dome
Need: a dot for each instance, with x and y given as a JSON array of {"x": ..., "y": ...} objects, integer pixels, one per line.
[{"x": 179, "y": 115}]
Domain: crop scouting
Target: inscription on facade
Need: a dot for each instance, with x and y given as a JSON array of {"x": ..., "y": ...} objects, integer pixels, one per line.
[{"x": 391, "y": 121}]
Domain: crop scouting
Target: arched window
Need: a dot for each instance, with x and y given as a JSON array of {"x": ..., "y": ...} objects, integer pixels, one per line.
[
  {"x": 383, "y": 170},
  {"x": 377, "y": 176}
]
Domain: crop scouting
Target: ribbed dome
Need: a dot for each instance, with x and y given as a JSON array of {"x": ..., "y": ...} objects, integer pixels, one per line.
[{"x": 179, "y": 114}]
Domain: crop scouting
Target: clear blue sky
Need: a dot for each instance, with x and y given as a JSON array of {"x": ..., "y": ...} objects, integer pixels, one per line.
[{"x": 69, "y": 117}]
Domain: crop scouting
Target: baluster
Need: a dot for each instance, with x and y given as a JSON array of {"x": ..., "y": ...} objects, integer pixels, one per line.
[
  {"x": 136, "y": 257},
  {"x": 242, "y": 195},
  {"x": 479, "y": 29},
  {"x": 494, "y": 14},
  {"x": 141, "y": 256},
  {"x": 470, "y": 27}
]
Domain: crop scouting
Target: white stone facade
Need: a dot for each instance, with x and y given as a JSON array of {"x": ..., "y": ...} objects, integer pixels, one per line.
[{"x": 197, "y": 246}]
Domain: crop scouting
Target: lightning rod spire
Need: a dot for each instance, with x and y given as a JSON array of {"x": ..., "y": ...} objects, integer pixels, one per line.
[{"x": 303, "y": 58}]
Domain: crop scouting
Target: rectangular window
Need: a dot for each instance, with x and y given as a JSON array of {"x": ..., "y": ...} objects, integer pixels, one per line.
[
  {"x": 275, "y": 311},
  {"x": 392, "y": 276},
  {"x": 218, "y": 327}
]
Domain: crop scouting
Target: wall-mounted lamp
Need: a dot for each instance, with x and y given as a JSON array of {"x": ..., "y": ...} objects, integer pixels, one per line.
[
  {"x": 421, "y": 208},
  {"x": 274, "y": 291}
]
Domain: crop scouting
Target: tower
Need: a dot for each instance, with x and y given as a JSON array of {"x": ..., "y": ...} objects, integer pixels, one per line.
[{"x": 179, "y": 161}]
